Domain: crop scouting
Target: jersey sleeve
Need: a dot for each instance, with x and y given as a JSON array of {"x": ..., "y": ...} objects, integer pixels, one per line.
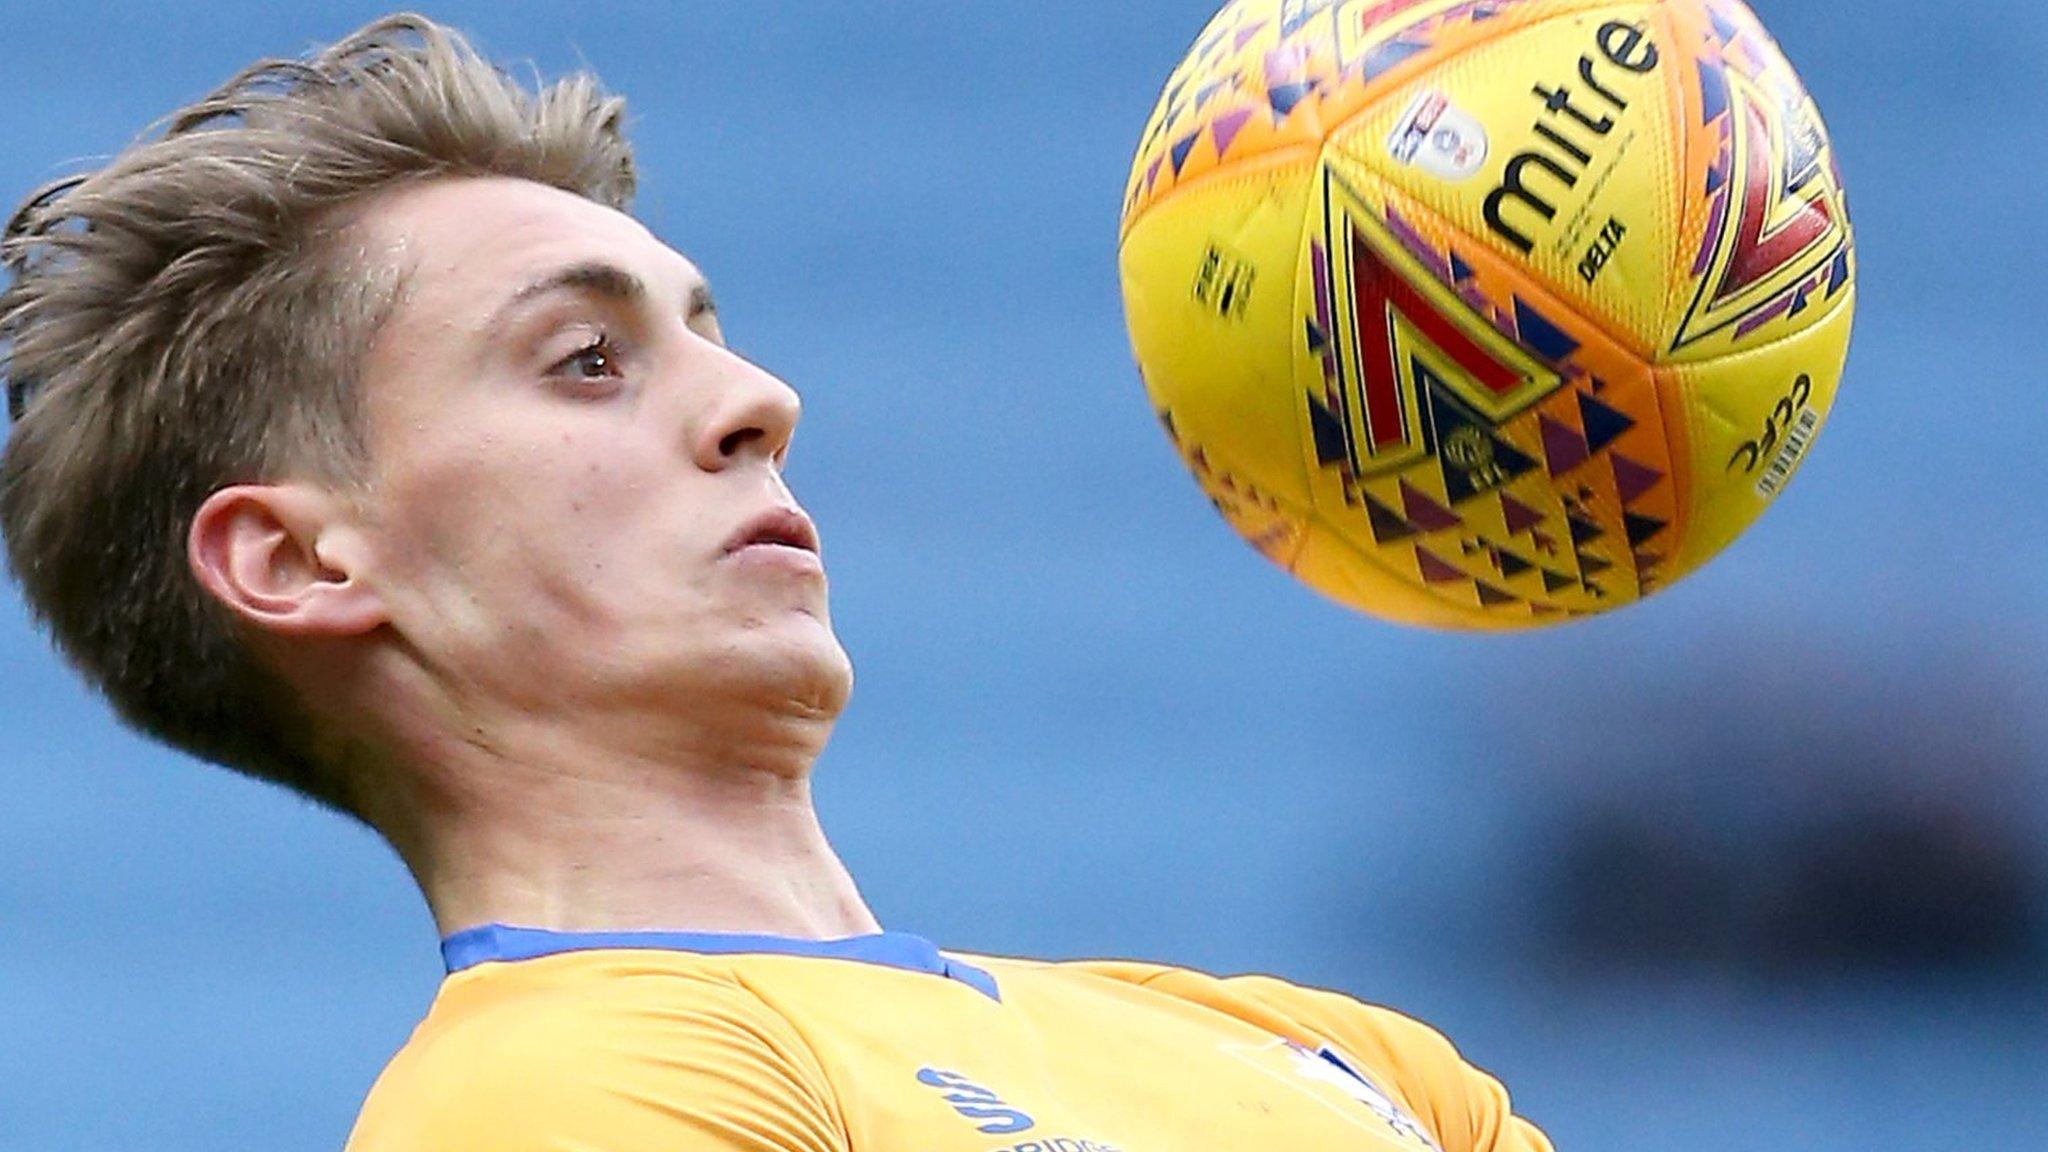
[
  {"x": 726, "y": 1074},
  {"x": 1468, "y": 1109}
]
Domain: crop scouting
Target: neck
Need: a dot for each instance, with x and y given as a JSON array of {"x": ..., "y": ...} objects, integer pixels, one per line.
[{"x": 547, "y": 824}]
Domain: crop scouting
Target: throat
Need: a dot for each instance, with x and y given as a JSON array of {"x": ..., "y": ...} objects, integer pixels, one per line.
[{"x": 635, "y": 847}]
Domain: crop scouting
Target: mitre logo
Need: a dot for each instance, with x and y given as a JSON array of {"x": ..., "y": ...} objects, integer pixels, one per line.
[{"x": 1572, "y": 130}]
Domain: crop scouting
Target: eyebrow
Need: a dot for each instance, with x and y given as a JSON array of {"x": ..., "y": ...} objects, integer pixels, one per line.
[{"x": 597, "y": 278}]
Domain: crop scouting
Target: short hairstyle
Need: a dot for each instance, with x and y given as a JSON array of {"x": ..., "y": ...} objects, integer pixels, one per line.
[{"x": 191, "y": 316}]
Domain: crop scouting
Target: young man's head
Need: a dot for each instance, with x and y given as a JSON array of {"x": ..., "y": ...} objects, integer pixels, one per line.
[{"x": 354, "y": 419}]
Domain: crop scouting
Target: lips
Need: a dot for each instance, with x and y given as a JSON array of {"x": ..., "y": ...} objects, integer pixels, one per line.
[{"x": 783, "y": 527}]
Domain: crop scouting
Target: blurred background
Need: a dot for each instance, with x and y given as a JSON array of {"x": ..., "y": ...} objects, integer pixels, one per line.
[{"x": 1762, "y": 862}]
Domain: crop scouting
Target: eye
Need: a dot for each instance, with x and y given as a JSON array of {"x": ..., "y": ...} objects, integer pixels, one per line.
[
  {"x": 597, "y": 359},
  {"x": 704, "y": 322}
]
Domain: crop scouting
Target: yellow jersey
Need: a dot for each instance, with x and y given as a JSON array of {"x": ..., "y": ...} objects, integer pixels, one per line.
[{"x": 708, "y": 1042}]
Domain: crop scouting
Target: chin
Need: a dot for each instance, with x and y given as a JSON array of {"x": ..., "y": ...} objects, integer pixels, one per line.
[
  {"x": 834, "y": 688},
  {"x": 795, "y": 664},
  {"x": 818, "y": 682}
]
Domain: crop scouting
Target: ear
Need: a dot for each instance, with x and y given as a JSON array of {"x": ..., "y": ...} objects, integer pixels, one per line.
[{"x": 285, "y": 558}]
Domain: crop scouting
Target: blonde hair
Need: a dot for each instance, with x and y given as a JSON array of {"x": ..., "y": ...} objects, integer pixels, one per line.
[{"x": 190, "y": 316}]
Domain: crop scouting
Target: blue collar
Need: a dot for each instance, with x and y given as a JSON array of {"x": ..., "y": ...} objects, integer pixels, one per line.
[{"x": 502, "y": 943}]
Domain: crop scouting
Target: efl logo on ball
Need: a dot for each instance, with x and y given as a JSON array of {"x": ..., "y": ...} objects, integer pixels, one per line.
[{"x": 1438, "y": 138}]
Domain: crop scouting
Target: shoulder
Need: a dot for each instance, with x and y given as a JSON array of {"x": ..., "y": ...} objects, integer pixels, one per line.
[
  {"x": 1388, "y": 1034},
  {"x": 1466, "y": 1107},
  {"x": 557, "y": 1056}
]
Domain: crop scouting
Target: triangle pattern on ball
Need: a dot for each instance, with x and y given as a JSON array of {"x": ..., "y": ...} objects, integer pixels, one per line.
[
  {"x": 1226, "y": 127},
  {"x": 1603, "y": 424},
  {"x": 1328, "y": 431},
  {"x": 1511, "y": 565},
  {"x": 1493, "y": 597},
  {"x": 1425, "y": 513},
  {"x": 1284, "y": 97},
  {"x": 1387, "y": 524},
  {"x": 1541, "y": 336},
  {"x": 1631, "y": 479},
  {"x": 1564, "y": 448},
  {"x": 1435, "y": 570},
  {"x": 1384, "y": 57},
  {"x": 1642, "y": 528},
  {"x": 1519, "y": 516}
]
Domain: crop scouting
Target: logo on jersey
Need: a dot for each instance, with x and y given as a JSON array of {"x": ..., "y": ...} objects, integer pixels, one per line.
[
  {"x": 1326, "y": 1067},
  {"x": 1319, "y": 1071},
  {"x": 996, "y": 1118},
  {"x": 976, "y": 1102}
]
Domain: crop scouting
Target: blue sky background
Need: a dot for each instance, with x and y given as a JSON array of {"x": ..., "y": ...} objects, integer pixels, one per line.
[{"x": 1089, "y": 720}]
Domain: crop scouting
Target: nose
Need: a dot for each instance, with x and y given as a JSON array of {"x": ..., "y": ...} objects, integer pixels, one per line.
[{"x": 753, "y": 414}]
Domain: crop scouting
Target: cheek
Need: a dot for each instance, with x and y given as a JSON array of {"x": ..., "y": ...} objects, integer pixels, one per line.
[{"x": 553, "y": 532}]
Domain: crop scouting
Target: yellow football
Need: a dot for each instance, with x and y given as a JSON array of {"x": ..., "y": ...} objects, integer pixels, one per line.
[{"x": 1488, "y": 313}]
